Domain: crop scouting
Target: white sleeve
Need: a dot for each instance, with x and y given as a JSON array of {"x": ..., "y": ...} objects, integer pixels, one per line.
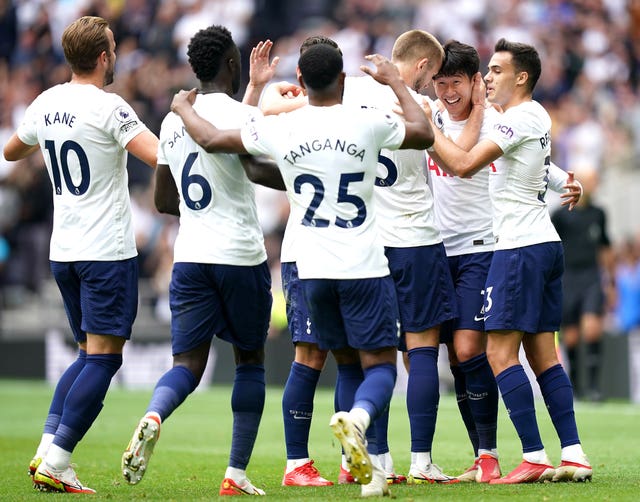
[{"x": 557, "y": 178}]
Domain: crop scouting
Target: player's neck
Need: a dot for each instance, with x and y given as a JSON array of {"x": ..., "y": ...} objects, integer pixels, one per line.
[
  {"x": 90, "y": 79},
  {"x": 516, "y": 99},
  {"x": 212, "y": 88}
]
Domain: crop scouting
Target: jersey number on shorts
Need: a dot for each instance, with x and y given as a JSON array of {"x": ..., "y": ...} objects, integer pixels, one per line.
[
  {"x": 309, "y": 219},
  {"x": 85, "y": 174},
  {"x": 189, "y": 181}
]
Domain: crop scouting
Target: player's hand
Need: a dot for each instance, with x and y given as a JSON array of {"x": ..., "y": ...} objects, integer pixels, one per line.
[
  {"x": 573, "y": 191},
  {"x": 427, "y": 109},
  {"x": 386, "y": 72},
  {"x": 184, "y": 99},
  {"x": 261, "y": 71},
  {"x": 478, "y": 91},
  {"x": 288, "y": 90}
]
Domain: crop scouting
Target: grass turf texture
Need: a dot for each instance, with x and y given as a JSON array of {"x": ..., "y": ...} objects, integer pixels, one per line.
[{"x": 192, "y": 453}]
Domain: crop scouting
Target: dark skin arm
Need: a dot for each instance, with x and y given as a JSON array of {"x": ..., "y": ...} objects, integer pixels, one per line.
[
  {"x": 263, "y": 171},
  {"x": 203, "y": 132},
  {"x": 165, "y": 196}
]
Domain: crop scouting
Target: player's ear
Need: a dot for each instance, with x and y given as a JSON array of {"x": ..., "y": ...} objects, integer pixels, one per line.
[
  {"x": 422, "y": 64},
  {"x": 301, "y": 81}
]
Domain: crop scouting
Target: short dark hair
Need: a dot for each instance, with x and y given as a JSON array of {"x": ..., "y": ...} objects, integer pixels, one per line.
[
  {"x": 459, "y": 59},
  {"x": 524, "y": 57},
  {"x": 318, "y": 39},
  {"x": 206, "y": 50},
  {"x": 320, "y": 66}
]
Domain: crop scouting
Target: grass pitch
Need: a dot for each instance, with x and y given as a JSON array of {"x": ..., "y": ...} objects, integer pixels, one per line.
[{"x": 192, "y": 453}]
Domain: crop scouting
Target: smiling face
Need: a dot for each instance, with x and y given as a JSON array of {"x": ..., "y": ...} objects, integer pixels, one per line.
[{"x": 455, "y": 94}]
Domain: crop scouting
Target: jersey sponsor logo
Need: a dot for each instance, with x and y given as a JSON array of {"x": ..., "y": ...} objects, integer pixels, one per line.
[{"x": 504, "y": 129}]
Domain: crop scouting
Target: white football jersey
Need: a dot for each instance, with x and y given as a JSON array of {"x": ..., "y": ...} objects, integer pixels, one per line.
[
  {"x": 462, "y": 205},
  {"x": 328, "y": 158},
  {"x": 403, "y": 198},
  {"x": 218, "y": 216},
  {"x": 82, "y": 131},
  {"x": 519, "y": 184}
]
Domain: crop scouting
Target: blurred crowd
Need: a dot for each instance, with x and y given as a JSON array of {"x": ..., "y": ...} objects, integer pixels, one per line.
[{"x": 590, "y": 85}]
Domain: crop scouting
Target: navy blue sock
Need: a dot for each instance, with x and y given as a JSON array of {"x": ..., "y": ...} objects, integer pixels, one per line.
[
  {"x": 518, "y": 398},
  {"x": 297, "y": 409},
  {"x": 171, "y": 391},
  {"x": 349, "y": 378},
  {"x": 482, "y": 392},
  {"x": 423, "y": 396},
  {"x": 60, "y": 394},
  {"x": 84, "y": 400},
  {"x": 381, "y": 426},
  {"x": 460, "y": 386},
  {"x": 247, "y": 403},
  {"x": 558, "y": 396},
  {"x": 375, "y": 391}
]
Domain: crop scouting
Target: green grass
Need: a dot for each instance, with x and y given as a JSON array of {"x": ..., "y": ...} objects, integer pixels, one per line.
[{"x": 192, "y": 454}]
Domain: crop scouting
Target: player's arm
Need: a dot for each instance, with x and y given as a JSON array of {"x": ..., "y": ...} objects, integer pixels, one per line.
[
  {"x": 16, "y": 149},
  {"x": 208, "y": 136},
  {"x": 282, "y": 97},
  {"x": 260, "y": 71},
  {"x": 263, "y": 171},
  {"x": 565, "y": 184},
  {"x": 419, "y": 132},
  {"x": 165, "y": 195},
  {"x": 454, "y": 160},
  {"x": 145, "y": 147}
]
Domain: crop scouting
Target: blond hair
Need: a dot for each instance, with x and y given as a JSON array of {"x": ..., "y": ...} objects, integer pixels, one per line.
[{"x": 414, "y": 45}]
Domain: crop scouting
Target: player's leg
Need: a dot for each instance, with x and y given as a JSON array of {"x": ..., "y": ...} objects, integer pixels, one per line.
[
  {"x": 360, "y": 314},
  {"x": 300, "y": 388},
  {"x": 426, "y": 298},
  {"x": 591, "y": 327},
  {"x": 348, "y": 379},
  {"x": 190, "y": 346},
  {"x": 469, "y": 273},
  {"x": 554, "y": 383},
  {"x": 514, "y": 292},
  {"x": 482, "y": 393},
  {"x": 247, "y": 293},
  {"x": 460, "y": 389},
  {"x": 108, "y": 299}
]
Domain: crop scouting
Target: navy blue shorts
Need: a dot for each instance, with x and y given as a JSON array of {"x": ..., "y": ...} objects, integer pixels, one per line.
[
  {"x": 523, "y": 291},
  {"x": 426, "y": 296},
  {"x": 357, "y": 313},
  {"x": 100, "y": 297},
  {"x": 469, "y": 273},
  {"x": 298, "y": 318},
  {"x": 232, "y": 302}
]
